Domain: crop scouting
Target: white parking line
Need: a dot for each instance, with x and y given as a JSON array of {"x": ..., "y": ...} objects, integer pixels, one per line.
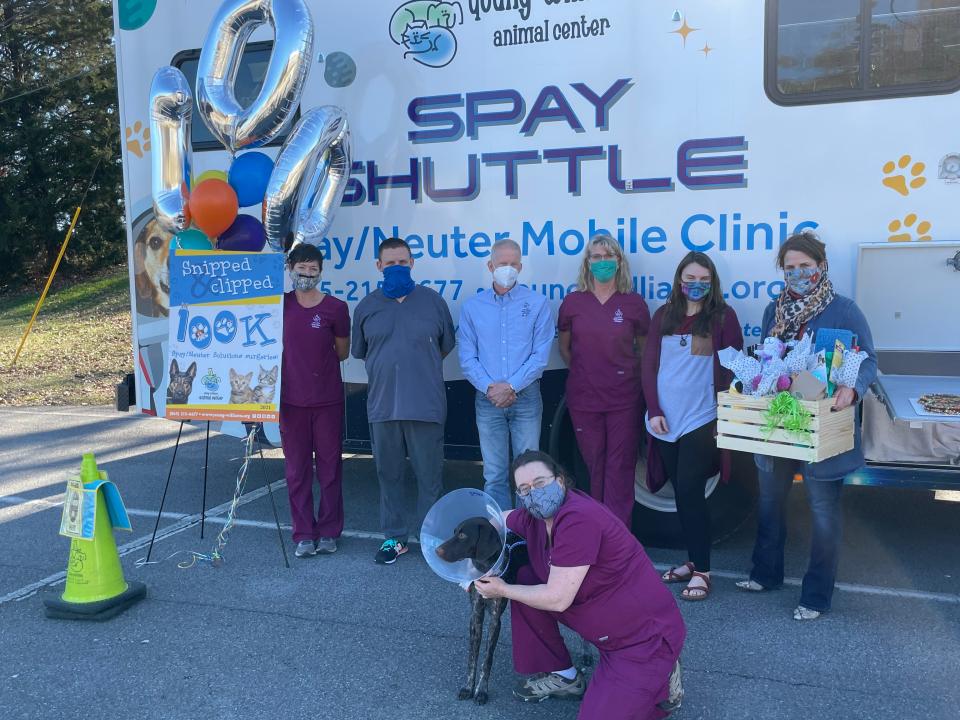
[
  {"x": 216, "y": 515},
  {"x": 185, "y": 523}
]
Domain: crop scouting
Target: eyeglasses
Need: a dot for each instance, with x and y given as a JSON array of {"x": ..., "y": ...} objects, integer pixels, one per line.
[
  {"x": 540, "y": 482},
  {"x": 594, "y": 257}
]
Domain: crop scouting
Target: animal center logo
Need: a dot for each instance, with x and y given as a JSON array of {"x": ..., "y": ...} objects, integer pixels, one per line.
[
  {"x": 425, "y": 30},
  {"x": 618, "y": 316},
  {"x": 317, "y": 322},
  {"x": 211, "y": 381}
]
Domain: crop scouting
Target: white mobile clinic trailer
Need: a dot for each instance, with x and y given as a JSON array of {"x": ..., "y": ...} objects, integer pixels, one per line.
[{"x": 696, "y": 124}]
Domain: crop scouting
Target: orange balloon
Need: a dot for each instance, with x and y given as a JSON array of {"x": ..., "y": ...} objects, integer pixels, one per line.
[{"x": 213, "y": 206}]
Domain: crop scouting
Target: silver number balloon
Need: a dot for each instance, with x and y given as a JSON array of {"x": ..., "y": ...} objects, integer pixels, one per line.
[
  {"x": 171, "y": 115},
  {"x": 308, "y": 180},
  {"x": 272, "y": 111}
]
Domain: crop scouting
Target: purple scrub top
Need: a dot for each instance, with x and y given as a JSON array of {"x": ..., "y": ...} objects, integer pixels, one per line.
[
  {"x": 622, "y": 601},
  {"x": 604, "y": 369},
  {"x": 311, "y": 368}
]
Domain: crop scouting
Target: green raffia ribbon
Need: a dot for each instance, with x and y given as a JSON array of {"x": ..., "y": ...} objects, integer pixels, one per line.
[{"x": 786, "y": 411}]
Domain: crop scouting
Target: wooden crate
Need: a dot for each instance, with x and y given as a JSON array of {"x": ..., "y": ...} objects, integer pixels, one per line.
[{"x": 741, "y": 426}]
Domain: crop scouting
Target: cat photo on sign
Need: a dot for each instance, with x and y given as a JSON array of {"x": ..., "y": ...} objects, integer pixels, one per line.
[
  {"x": 266, "y": 385},
  {"x": 240, "y": 391}
]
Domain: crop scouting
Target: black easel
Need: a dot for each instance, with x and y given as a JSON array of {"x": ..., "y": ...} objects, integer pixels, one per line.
[{"x": 203, "y": 502}]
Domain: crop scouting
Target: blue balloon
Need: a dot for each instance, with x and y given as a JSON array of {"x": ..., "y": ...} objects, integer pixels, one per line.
[{"x": 249, "y": 175}]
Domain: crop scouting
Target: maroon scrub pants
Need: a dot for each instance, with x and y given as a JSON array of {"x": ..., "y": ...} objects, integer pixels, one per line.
[
  {"x": 307, "y": 432},
  {"x": 610, "y": 443},
  {"x": 628, "y": 683}
]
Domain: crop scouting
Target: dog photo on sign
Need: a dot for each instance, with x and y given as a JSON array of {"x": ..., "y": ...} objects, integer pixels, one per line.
[{"x": 181, "y": 383}]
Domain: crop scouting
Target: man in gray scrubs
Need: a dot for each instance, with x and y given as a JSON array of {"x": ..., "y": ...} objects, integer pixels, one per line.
[{"x": 402, "y": 332}]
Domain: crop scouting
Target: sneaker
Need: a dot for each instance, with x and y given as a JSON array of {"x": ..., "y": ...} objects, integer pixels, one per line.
[
  {"x": 674, "y": 692},
  {"x": 389, "y": 552},
  {"x": 805, "y": 613},
  {"x": 326, "y": 546},
  {"x": 305, "y": 548},
  {"x": 541, "y": 686}
]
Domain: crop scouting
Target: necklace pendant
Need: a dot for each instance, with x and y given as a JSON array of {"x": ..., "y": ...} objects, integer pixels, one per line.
[{"x": 683, "y": 341}]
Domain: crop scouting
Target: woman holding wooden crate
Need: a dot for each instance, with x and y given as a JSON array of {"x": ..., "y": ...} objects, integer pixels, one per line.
[
  {"x": 808, "y": 304},
  {"x": 681, "y": 376}
]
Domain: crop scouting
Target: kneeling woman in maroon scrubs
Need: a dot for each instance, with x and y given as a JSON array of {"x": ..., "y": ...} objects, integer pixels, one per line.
[{"x": 588, "y": 572}]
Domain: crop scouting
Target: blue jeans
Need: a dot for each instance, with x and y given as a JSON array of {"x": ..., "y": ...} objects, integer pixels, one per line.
[
  {"x": 823, "y": 497},
  {"x": 500, "y": 428}
]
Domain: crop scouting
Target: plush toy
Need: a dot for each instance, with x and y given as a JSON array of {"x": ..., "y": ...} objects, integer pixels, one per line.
[{"x": 774, "y": 373}]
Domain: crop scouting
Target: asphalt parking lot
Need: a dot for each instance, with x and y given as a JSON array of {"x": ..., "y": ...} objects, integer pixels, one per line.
[{"x": 340, "y": 637}]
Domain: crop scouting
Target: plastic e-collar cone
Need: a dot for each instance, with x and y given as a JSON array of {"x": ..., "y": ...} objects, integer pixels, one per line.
[{"x": 441, "y": 523}]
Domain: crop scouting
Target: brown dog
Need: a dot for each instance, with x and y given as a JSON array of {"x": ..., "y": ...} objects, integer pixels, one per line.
[
  {"x": 478, "y": 540},
  {"x": 151, "y": 253}
]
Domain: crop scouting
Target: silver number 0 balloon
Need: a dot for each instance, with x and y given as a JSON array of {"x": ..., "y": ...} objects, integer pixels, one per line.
[
  {"x": 171, "y": 114},
  {"x": 309, "y": 179},
  {"x": 272, "y": 111}
]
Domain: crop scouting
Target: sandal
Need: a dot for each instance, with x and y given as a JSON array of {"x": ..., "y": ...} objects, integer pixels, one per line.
[
  {"x": 702, "y": 592},
  {"x": 671, "y": 576},
  {"x": 750, "y": 586}
]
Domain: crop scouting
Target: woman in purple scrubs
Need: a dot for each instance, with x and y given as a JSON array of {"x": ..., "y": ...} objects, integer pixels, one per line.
[
  {"x": 588, "y": 572},
  {"x": 316, "y": 338},
  {"x": 602, "y": 328}
]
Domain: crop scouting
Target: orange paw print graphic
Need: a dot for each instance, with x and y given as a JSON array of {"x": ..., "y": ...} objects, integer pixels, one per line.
[
  {"x": 904, "y": 230},
  {"x": 898, "y": 180},
  {"x": 138, "y": 139}
]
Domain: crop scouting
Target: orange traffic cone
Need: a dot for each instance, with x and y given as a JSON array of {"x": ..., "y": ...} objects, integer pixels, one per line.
[{"x": 96, "y": 589}]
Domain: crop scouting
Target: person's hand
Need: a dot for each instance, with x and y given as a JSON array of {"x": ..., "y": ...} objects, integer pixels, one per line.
[
  {"x": 845, "y": 397},
  {"x": 659, "y": 425},
  {"x": 501, "y": 395},
  {"x": 491, "y": 587}
]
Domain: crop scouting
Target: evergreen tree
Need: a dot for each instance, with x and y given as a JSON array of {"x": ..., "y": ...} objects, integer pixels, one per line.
[{"x": 58, "y": 120}]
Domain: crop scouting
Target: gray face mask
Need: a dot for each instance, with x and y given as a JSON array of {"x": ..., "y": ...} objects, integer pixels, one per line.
[
  {"x": 544, "y": 502},
  {"x": 303, "y": 282}
]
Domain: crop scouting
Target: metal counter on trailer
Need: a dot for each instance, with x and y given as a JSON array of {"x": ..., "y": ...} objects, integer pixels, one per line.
[{"x": 917, "y": 336}]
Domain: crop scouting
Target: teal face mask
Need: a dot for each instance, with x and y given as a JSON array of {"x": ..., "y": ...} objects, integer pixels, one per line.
[{"x": 603, "y": 270}]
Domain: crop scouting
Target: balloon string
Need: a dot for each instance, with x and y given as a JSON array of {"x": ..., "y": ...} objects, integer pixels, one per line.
[{"x": 215, "y": 557}]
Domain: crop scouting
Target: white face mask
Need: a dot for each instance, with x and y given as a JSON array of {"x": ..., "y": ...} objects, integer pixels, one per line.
[{"x": 505, "y": 276}]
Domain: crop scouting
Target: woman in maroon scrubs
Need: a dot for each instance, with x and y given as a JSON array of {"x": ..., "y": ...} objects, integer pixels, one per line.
[
  {"x": 602, "y": 329},
  {"x": 588, "y": 572},
  {"x": 316, "y": 338}
]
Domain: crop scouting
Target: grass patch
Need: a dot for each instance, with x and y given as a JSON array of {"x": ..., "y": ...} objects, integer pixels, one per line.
[{"x": 79, "y": 348}]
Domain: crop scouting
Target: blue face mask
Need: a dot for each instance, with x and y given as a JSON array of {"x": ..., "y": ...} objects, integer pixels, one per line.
[
  {"x": 695, "y": 290},
  {"x": 397, "y": 282},
  {"x": 544, "y": 502}
]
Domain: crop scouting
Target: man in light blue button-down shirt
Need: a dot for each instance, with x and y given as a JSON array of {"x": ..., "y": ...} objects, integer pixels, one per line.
[{"x": 504, "y": 342}]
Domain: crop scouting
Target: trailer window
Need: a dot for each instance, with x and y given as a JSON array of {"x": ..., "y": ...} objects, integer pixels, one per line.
[
  {"x": 840, "y": 50},
  {"x": 253, "y": 68}
]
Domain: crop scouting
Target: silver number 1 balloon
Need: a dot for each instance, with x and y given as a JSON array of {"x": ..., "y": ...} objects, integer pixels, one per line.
[
  {"x": 171, "y": 111},
  {"x": 272, "y": 112}
]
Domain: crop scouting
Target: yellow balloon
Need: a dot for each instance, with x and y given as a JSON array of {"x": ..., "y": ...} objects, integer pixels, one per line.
[{"x": 218, "y": 174}]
